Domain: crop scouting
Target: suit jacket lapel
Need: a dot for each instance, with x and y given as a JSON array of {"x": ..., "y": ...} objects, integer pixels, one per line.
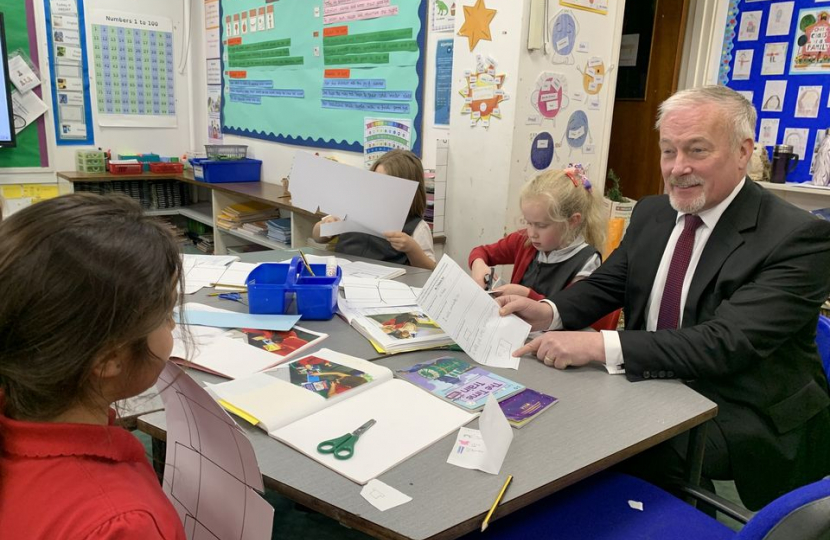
[
  {"x": 644, "y": 267},
  {"x": 742, "y": 214}
]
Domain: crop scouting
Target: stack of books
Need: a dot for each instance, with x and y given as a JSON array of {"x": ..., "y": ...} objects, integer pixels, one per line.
[
  {"x": 205, "y": 243},
  {"x": 394, "y": 330},
  {"x": 258, "y": 228},
  {"x": 279, "y": 230},
  {"x": 236, "y": 215}
]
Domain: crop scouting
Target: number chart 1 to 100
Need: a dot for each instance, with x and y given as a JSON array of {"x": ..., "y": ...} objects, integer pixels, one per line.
[{"x": 134, "y": 71}]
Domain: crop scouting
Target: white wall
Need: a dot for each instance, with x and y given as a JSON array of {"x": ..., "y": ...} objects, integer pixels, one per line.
[{"x": 168, "y": 141}]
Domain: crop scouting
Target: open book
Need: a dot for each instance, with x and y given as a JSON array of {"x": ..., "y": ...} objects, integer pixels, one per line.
[
  {"x": 395, "y": 329},
  {"x": 328, "y": 394},
  {"x": 242, "y": 352}
]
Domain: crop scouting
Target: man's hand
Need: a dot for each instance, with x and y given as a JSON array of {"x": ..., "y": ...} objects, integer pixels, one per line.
[
  {"x": 514, "y": 289},
  {"x": 538, "y": 314},
  {"x": 400, "y": 241},
  {"x": 563, "y": 349}
]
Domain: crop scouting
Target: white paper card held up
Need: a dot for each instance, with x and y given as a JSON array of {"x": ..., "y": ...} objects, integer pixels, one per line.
[
  {"x": 382, "y": 496},
  {"x": 485, "y": 448},
  {"x": 471, "y": 317}
]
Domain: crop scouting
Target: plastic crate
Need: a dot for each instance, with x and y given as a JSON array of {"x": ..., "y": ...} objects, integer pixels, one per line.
[
  {"x": 224, "y": 152},
  {"x": 271, "y": 285},
  {"x": 163, "y": 167},
  {"x": 144, "y": 159},
  {"x": 217, "y": 172},
  {"x": 90, "y": 161},
  {"x": 126, "y": 168}
]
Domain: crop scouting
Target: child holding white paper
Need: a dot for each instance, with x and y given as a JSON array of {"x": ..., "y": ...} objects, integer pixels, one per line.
[
  {"x": 88, "y": 285},
  {"x": 564, "y": 229},
  {"x": 412, "y": 246}
]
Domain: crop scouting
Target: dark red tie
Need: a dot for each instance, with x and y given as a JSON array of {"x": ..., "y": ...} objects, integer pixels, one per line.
[{"x": 670, "y": 305}]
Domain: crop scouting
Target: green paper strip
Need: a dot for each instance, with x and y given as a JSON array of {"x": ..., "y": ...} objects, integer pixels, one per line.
[
  {"x": 363, "y": 48},
  {"x": 386, "y": 35},
  {"x": 379, "y": 58},
  {"x": 285, "y": 61},
  {"x": 273, "y": 44}
]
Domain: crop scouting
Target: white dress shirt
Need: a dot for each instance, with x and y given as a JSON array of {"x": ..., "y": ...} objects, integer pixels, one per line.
[{"x": 611, "y": 339}]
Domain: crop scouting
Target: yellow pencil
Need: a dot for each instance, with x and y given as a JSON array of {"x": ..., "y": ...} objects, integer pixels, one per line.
[
  {"x": 496, "y": 503},
  {"x": 305, "y": 262}
]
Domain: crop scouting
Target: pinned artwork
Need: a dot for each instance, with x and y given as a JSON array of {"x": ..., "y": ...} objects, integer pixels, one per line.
[
  {"x": 780, "y": 17},
  {"x": 561, "y": 37},
  {"x": 593, "y": 76},
  {"x": 483, "y": 93},
  {"x": 577, "y": 131},
  {"x": 768, "y": 132},
  {"x": 743, "y": 65},
  {"x": 551, "y": 95},
  {"x": 811, "y": 50},
  {"x": 774, "y": 93},
  {"x": 808, "y": 102},
  {"x": 748, "y": 94},
  {"x": 797, "y": 138},
  {"x": 476, "y": 24},
  {"x": 750, "y": 26},
  {"x": 542, "y": 151},
  {"x": 775, "y": 59}
]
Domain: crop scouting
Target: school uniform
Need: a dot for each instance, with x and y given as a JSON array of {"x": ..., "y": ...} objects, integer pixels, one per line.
[
  {"x": 544, "y": 274},
  {"x": 79, "y": 481},
  {"x": 375, "y": 247}
]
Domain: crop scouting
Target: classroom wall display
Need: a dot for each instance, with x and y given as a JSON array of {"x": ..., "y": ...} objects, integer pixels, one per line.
[
  {"x": 134, "y": 75},
  {"x": 550, "y": 96},
  {"x": 31, "y": 149},
  {"x": 778, "y": 55},
  {"x": 66, "y": 38},
  {"x": 483, "y": 92},
  {"x": 442, "y": 15},
  {"x": 213, "y": 71},
  {"x": 380, "y": 135},
  {"x": 443, "y": 81},
  {"x": 560, "y": 39},
  {"x": 309, "y": 72},
  {"x": 476, "y": 26}
]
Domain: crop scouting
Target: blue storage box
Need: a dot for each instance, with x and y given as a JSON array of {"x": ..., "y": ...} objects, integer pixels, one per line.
[
  {"x": 218, "y": 172},
  {"x": 271, "y": 286}
]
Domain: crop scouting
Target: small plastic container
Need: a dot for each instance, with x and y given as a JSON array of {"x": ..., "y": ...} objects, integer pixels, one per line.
[
  {"x": 268, "y": 288},
  {"x": 126, "y": 168},
  {"x": 217, "y": 172},
  {"x": 271, "y": 286},
  {"x": 166, "y": 167},
  {"x": 90, "y": 161},
  {"x": 224, "y": 152}
]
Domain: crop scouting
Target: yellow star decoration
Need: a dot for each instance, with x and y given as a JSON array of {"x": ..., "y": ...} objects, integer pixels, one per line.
[
  {"x": 483, "y": 93},
  {"x": 477, "y": 23}
]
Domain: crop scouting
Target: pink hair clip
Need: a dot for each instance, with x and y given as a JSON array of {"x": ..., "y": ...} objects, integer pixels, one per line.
[{"x": 576, "y": 172}]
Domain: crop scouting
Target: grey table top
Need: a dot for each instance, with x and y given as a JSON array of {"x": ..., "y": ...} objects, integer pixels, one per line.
[{"x": 600, "y": 420}]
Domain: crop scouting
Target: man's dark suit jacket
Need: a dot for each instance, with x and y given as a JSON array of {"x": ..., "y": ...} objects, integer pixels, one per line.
[{"x": 747, "y": 340}]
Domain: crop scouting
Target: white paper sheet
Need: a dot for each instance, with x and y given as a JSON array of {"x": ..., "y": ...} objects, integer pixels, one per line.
[
  {"x": 484, "y": 448},
  {"x": 383, "y": 496},
  {"x": 203, "y": 270},
  {"x": 211, "y": 470},
  {"x": 471, "y": 317},
  {"x": 236, "y": 275},
  {"x": 344, "y": 226},
  {"x": 377, "y": 201},
  {"x": 365, "y": 293},
  {"x": 28, "y": 108}
]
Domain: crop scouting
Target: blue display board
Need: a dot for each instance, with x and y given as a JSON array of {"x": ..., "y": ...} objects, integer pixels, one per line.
[
  {"x": 309, "y": 72},
  {"x": 778, "y": 55}
]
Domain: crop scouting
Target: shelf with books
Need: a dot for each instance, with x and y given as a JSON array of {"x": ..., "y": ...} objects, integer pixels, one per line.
[{"x": 255, "y": 238}]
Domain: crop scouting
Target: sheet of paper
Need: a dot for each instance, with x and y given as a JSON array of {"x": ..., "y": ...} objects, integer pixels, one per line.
[
  {"x": 485, "y": 448},
  {"x": 236, "y": 275},
  {"x": 21, "y": 75},
  {"x": 382, "y": 496},
  {"x": 203, "y": 270},
  {"x": 370, "y": 270},
  {"x": 212, "y": 470},
  {"x": 231, "y": 358},
  {"x": 471, "y": 317},
  {"x": 27, "y": 108},
  {"x": 362, "y": 292},
  {"x": 343, "y": 190},
  {"x": 344, "y": 226},
  {"x": 195, "y": 314}
]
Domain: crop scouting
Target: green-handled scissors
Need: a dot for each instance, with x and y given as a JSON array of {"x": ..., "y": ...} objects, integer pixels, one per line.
[{"x": 343, "y": 447}]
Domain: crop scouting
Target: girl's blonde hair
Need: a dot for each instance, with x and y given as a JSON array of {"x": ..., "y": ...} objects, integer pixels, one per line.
[
  {"x": 567, "y": 193},
  {"x": 404, "y": 164}
]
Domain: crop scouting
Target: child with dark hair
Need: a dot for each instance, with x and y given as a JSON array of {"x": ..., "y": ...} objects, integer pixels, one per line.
[{"x": 88, "y": 285}]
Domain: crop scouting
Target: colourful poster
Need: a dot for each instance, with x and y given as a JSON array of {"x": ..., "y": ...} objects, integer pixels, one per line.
[
  {"x": 309, "y": 71},
  {"x": 443, "y": 81},
  {"x": 811, "y": 50},
  {"x": 381, "y": 135}
]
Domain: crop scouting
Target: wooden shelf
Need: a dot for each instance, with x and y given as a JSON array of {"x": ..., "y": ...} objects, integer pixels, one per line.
[
  {"x": 805, "y": 187},
  {"x": 255, "y": 238}
]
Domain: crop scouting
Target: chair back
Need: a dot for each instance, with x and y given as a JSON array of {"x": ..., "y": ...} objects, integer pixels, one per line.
[
  {"x": 802, "y": 514},
  {"x": 823, "y": 343}
]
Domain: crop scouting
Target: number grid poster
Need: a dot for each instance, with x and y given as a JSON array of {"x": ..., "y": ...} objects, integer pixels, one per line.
[
  {"x": 778, "y": 55},
  {"x": 134, "y": 75},
  {"x": 308, "y": 72}
]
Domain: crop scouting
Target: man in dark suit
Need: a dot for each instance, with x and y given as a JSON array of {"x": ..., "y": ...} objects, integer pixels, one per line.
[{"x": 721, "y": 283}]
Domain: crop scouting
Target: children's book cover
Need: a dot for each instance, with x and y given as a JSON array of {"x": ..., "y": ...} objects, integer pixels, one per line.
[
  {"x": 525, "y": 406},
  {"x": 323, "y": 377},
  {"x": 407, "y": 325},
  {"x": 460, "y": 382}
]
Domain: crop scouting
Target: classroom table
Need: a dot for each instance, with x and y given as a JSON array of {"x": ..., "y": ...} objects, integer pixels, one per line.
[{"x": 599, "y": 421}]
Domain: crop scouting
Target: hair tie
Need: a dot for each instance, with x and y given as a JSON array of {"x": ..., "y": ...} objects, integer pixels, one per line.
[{"x": 576, "y": 172}]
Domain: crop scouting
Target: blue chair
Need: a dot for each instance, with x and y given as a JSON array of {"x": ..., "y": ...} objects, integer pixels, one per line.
[
  {"x": 823, "y": 342},
  {"x": 598, "y": 509}
]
